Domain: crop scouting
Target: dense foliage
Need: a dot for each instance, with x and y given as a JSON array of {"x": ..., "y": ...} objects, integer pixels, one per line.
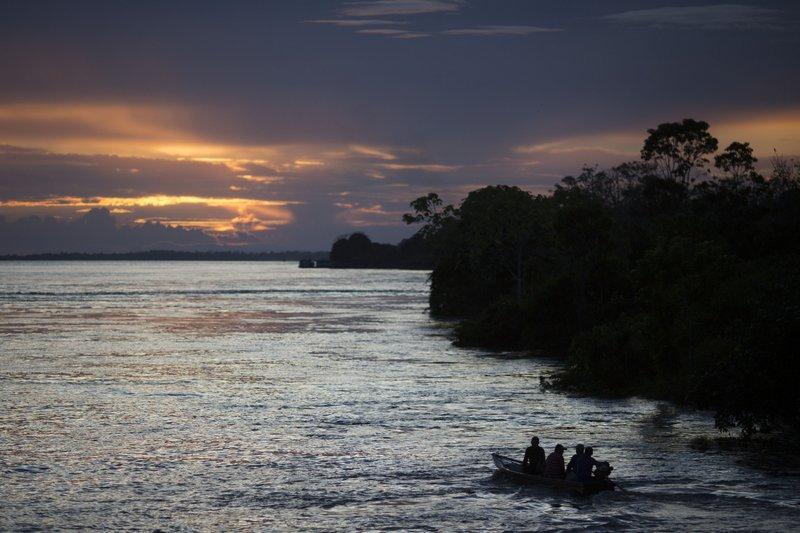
[
  {"x": 358, "y": 251},
  {"x": 667, "y": 277}
]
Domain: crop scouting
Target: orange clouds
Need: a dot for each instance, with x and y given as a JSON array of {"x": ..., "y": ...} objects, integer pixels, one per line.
[
  {"x": 150, "y": 201},
  {"x": 158, "y": 131},
  {"x": 245, "y": 214},
  {"x": 370, "y": 215},
  {"x": 766, "y": 132},
  {"x": 169, "y": 164},
  {"x": 375, "y": 152},
  {"x": 90, "y": 128},
  {"x": 626, "y": 145},
  {"x": 432, "y": 167},
  {"x": 169, "y": 132},
  {"x": 141, "y": 143}
]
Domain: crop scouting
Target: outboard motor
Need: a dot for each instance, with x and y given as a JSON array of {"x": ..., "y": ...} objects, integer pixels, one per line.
[{"x": 602, "y": 471}]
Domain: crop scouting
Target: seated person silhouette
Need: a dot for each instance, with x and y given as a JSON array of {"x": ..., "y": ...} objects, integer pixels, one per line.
[
  {"x": 584, "y": 465},
  {"x": 571, "y": 465},
  {"x": 533, "y": 462},
  {"x": 554, "y": 465}
]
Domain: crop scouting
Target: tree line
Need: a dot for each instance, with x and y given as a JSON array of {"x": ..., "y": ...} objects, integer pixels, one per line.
[
  {"x": 675, "y": 276},
  {"x": 356, "y": 250}
]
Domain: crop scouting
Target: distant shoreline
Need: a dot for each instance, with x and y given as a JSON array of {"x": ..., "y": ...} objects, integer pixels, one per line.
[{"x": 168, "y": 255}]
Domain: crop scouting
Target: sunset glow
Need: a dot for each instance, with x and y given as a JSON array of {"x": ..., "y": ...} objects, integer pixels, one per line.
[
  {"x": 383, "y": 265},
  {"x": 143, "y": 201},
  {"x": 278, "y": 138}
]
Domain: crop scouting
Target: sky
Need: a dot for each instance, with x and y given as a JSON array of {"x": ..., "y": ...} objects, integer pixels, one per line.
[{"x": 284, "y": 124}]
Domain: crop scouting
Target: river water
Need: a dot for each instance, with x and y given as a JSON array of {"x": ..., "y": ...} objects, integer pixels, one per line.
[{"x": 220, "y": 396}]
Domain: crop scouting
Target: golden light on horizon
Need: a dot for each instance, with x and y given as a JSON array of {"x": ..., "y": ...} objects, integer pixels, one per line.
[
  {"x": 245, "y": 214},
  {"x": 218, "y": 225},
  {"x": 143, "y": 201},
  {"x": 126, "y": 120},
  {"x": 160, "y": 138},
  {"x": 766, "y": 133},
  {"x": 158, "y": 131}
]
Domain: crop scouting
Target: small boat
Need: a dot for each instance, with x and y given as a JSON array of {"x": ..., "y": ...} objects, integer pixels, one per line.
[{"x": 514, "y": 468}]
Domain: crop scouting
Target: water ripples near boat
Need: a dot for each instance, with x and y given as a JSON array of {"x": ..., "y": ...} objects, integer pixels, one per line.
[{"x": 215, "y": 396}]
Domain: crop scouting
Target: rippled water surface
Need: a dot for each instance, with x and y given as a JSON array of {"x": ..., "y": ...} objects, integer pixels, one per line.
[{"x": 222, "y": 396}]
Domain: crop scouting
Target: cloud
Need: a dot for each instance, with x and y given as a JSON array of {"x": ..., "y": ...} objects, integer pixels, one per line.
[
  {"x": 26, "y": 173},
  {"x": 261, "y": 179},
  {"x": 282, "y": 203},
  {"x": 377, "y": 8},
  {"x": 415, "y": 7},
  {"x": 222, "y": 217},
  {"x": 560, "y": 156},
  {"x": 394, "y": 34},
  {"x": 347, "y": 23},
  {"x": 373, "y": 152},
  {"x": 144, "y": 142},
  {"x": 719, "y": 17},
  {"x": 766, "y": 132},
  {"x": 411, "y": 35},
  {"x": 626, "y": 147},
  {"x": 91, "y": 125},
  {"x": 160, "y": 200},
  {"x": 432, "y": 167},
  {"x": 500, "y": 30},
  {"x": 96, "y": 231},
  {"x": 382, "y": 31},
  {"x": 362, "y": 216}
]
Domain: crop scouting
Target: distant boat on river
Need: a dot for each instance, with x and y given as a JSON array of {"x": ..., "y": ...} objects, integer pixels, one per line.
[{"x": 315, "y": 263}]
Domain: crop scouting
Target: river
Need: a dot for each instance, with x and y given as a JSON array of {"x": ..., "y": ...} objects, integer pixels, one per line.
[{"x": 253, "y": 395}]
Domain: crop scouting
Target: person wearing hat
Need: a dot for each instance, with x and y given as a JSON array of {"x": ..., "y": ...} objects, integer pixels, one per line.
[{"x": 554, "y": 465}]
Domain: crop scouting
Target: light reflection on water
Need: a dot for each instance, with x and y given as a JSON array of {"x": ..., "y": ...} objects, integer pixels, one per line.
[{"x": 258, "y": 395}]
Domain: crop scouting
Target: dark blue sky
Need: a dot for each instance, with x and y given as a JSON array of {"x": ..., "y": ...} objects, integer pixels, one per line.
[{"x": 284, "y": 124}]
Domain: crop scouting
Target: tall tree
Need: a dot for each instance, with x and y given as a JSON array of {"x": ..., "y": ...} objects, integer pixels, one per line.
[
  {"x": 430, "y": 211},
  {"x": 504, "y": 224},
  {"x": 737, "y": 161},
  {"x": 679, "y": 148},
  {"x": 785, "y": 174}
]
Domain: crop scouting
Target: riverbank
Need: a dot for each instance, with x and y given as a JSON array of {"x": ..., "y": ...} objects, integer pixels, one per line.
[{"x": 674, "y": 284}]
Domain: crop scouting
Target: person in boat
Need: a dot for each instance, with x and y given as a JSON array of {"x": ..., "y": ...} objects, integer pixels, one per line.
[
  {"x": 533, "y": 462},
  {"x": 584, "y": 466},
  {"x": 570, "y": 475},
  {"x": 601, "y": 473},
  {"x": 554, "y": 465}
]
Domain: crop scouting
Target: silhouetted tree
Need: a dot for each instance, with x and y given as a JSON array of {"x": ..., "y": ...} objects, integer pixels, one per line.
[
  {"x": 358, "y": 251},
  {"x": 645, "y": 280},
  {"x": 737, "y": 161},
  {"x": 785, "y": 173},
  {"x": 428, "y": 210},
  {"x": 678, "y": 148}
]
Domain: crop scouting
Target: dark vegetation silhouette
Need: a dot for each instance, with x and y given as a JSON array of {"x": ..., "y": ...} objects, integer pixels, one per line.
[
  {"x": 358, "y": 251},
  {"x": 676, "y": 276}
]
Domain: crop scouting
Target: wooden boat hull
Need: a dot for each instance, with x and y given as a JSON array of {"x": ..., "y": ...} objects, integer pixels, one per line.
[{"x": 513, "y": 468}]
